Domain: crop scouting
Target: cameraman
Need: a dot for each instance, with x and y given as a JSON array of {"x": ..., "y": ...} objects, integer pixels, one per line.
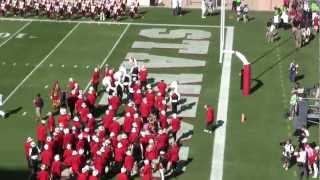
[{"x": 287, "y": 153}]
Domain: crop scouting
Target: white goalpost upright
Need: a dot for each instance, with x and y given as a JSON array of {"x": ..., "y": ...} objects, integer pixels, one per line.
[{"x": 222, "y": 28}]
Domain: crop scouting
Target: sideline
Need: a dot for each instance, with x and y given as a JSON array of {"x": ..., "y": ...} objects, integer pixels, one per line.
[{"x": 222, "y": 114}]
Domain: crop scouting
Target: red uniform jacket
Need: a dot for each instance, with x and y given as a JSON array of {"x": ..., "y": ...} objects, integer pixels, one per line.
[
  {"x": 64, "y": 120},
  {"x": 147, "y": 172},
  {"x": 56, "y": 168},
  {"x": 176, "y": 124},
  {"x": 122, "y": 176},
  {"x": 95, "y": 78},
  {"x": 46, "y": 157},
  {"x": 51, "y": 123},
  {"x": 43, "y": 175},
  {"x": 210, "y": 115},
  {"x": 128, "y": 163},
  {"x": 41, "y": 132}
]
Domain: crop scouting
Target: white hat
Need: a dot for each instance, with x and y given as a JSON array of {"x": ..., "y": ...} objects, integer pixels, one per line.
[
  {"x": 68, "y": 146},
  {"x": 66, "y": 131},
  {"x": 101, "y": 128},
  {"x": 90, "y": 116},
  {"x": 33, "y": 144},
  {"x": 43, "y": 167},
  {"x": 56, "y": 157},
  {"x": 119, "y": 145},
  {"x": 74, "y": 153},
  {"x": 136, "y": 115},
  {"x": 163, "y": 112},
  {"x": 80, "y": 136},
  {"x": 81, "y": 151},
  {"x": 112, "y": 134},
  {"x": 43, "y": 121},
  {"x": 63, "y": 111},
  {"x": 146, "y": 162},
  {"x": 76, "y": 118},
  {"x": 134, "y": 130},
  {"x": 149, "y": 86},
  {"x": 86, "y": 129},
  {"x": 128, "y": 114},
  {"x": 162, "y": 152},
  {"x": 83, "y": 105},
  {"x": 46, "y": 147},
  {"x": 29, "y": 139},
  {"x": 174, "y": 115},
  {"x": 91, "y": 89},
  {"x": 70, "y": 79},
  {"x": 123, "y": 170},
  {"x": 128, "y": 153},
  {"x": 134, "y": 124},
  {"x": 124, "y": 136},
  {"x": 150, "y": 141}
]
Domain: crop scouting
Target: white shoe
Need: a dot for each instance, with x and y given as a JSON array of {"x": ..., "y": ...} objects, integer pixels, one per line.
[
  {"x": 205, "y": 130},
  {"x": 203, "y": 17}
]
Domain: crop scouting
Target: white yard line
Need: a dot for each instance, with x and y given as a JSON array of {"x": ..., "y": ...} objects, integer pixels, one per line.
[
  {"x": 41, "y": 62},
  {"x": 107, "y": 22},
  {"x": 14, "y": 34},
  {"x": 222, "y": 114},
  {"x": 111, "y": 51}
]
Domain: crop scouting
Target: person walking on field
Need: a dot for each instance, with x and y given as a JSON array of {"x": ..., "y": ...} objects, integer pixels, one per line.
[
  {"x": 209, "y": 119},
  {"x": 38, "y": 104}
]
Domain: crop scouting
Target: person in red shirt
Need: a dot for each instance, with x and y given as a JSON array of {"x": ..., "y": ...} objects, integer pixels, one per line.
[
  {"x": 145, "y": 110},
  {"x": 146, "y": 171},
  {"x": 64, "y": 118},
  {"x": 95, "y": 78},
  {"x": 27, "y": 146},
  {"x": 128, "y": 162},
  {"x": 127, "y": 124},
  {"x": 209, "y": 118},
  {"x": 41, "y": 133},
  {"x": 175, "y": 125},
  {"x": 143, "y": 76},
  {"x": 162, "y": 87},
  {"x": 46, "y": 156},
  {"x": 122, "y": 175},
  {"x": 43, "y": 173},
  {"x": 56, "y": 168},
  {"x": 173, "y": 155},
  {"x": 51, "y": 123},
  {"x": 84, "y": 173},
  {"x": 137, "y": 98}
]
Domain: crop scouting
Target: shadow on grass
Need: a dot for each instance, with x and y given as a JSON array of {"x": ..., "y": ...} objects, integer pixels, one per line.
[
  {"x": 276, "y": 63},
  {"x": 270, "y": 51},
  {"x": 6, "y": 174},
  {"x": 257, "y": 84},
  {"x": 13, "y": 111}
]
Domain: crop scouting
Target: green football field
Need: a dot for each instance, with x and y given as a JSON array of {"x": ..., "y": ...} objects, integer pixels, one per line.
[{"x": 35, "y": 54}]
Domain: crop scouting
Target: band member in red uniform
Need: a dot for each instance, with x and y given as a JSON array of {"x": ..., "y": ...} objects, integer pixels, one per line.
[
  {"x": 41, "y": 133},
  {"x": 55, "y": 95},
  {"x": 143, "y": 76},
  {"x": 51, "y": 123},
  {"x": 95, "y": 78},
  {"x": 128, "y": 162},
  {"x": 122, "y": 175},
  {"x": 43, "y": 173},
  {"x": 27, "y": 146},
  {"x": 175, "y": 125},
  {"x": 162, "y": 86},
  {"x": 146, "y": 171},
  {"x": 209, "y": 118},
  {"x": 56, "y": 168},
  {"x": 46, "y": 156}
]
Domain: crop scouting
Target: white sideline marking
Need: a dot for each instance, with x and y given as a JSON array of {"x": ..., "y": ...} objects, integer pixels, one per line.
[
  {"x": 111, "y": 51},
  {"x": 46, "y": 86},
  {"x": 50, "y": 65},
  {"x": 14, "y": 34},
  {"x": 41, "y": 62},
  {"x": 222, "y": 114},
  {"x": 75, "y": 66},
  {"x": 62, "y": 65},
  {"x": 14, "y": 64},
  {"x": 108, "y": 22}
]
